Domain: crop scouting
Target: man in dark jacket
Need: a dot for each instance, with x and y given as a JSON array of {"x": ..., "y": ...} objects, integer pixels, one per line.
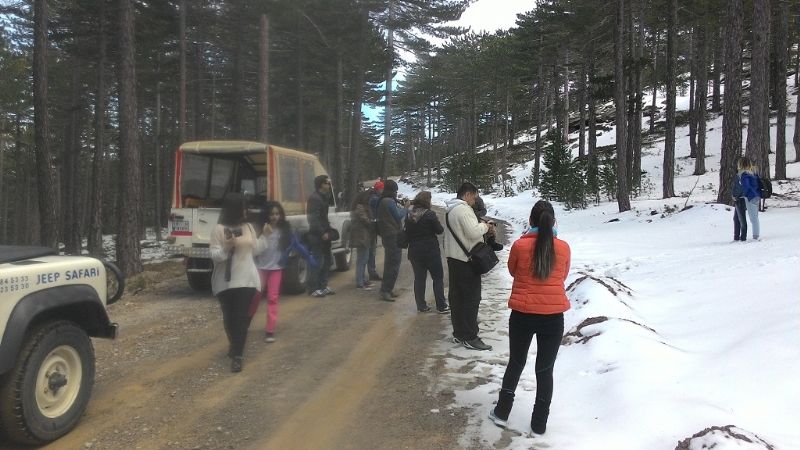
[
  {"x": 374, "y": 198},
  {"x": 390, "y": 216},
  {"x": 319, "y": 239}
]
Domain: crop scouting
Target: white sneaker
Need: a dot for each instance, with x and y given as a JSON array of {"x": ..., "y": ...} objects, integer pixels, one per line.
[
  {"x": 328, "y": 291},
  {"x": 318, "y": 293},
  {"x": 496, "y": 420}
]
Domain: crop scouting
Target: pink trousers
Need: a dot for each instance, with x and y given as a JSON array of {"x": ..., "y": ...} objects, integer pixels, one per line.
[{"x": 270, "y": 288}]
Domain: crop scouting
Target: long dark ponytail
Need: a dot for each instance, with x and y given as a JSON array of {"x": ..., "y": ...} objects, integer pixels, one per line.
[{"x": 543, "y": 257}]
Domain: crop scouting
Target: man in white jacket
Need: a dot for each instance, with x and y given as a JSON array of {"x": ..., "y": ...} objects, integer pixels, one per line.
[{"x": 465, "y": 283}]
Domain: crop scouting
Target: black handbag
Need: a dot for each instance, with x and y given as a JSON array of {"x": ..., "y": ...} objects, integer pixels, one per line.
[{"x": 481, "y": 257}]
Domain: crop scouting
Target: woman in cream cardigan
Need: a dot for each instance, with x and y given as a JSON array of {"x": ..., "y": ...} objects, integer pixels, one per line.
[{"x": 235, "y": 279}]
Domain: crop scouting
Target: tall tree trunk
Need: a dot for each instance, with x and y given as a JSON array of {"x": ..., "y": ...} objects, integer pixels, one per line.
[
  {"x": 300, "y": 138},
  {"x": 565, "y": 105},
  {"x": 630, "y": 94},
  {"x": 353, "y": 163},
  {"x": 539, "y": 119},
  {"x": 731, "y": 147},
  {"x": 638, "y": 96},
  {"x": 693, "y": 93},
  {"x": 582, "y": 112},
  {"x": 3, "y": 196},
  {"x": 182, "y": 69},
  {"x": 668, "y": 181},
  {"x": 592, "y": 105},
  {"x": 758, "y": 117},
  {"x": 159, "y": 171},
  {"x": 719, "y": 49},
  {"x": 504, "y": 155},
  {"x": 339, "y": 153},
  {"x": 69, "y": 173},
  {"x": 237, "y": 113},
  {"x": 128, "y": 246},
  {"x": 619, "y": 105},
  {"x": 701, "y": 94},
  {"x": 781, "y": 60},
  {"x": 387, "y": 119},
  {"x": 95, "y": 237},
  {"x": 199, "y": 130},
  {"x": 653, "y": 106},
  {"x": 796, "y": 138},
  {"x": 45, "y": 165},
  {"x": 263, "y": 80}
]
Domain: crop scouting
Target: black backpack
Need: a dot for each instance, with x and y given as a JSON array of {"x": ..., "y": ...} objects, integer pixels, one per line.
[{"x": 764, "y": 187}]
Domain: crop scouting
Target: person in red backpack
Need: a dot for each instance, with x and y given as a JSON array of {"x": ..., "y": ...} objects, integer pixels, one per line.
[{"x": 539, "y": 263}]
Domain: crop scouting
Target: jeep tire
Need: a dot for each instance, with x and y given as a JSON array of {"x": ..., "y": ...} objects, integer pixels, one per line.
[
  {"x": 199, "y": 281},
  {"x": 342, "y": 260},
  {"x": 46, "y": 393}
]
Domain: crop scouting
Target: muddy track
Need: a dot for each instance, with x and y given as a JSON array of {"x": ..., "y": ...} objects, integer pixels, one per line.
[{"x": 347, "y": 372}]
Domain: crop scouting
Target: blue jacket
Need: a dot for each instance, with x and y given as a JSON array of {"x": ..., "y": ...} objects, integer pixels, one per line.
[{"x": 750, "y": 185}]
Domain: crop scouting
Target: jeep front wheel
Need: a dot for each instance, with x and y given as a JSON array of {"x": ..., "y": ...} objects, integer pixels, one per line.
[{"x": 47, "y": 392}]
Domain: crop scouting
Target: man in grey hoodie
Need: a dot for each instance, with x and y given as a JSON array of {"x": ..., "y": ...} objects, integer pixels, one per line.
[{"x": 465, "y": 284}]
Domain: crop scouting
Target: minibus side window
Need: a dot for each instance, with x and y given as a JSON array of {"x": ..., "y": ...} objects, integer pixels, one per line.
[{"x": 290, "y": 179}]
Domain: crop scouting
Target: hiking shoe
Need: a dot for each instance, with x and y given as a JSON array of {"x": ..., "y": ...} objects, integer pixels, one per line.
[
  {"x": 476, "y": 344},
  {"x": 496, "y": 420},
  {"x": 318, "y": 293},
  {"x": 386, "y": 296},
  {"x": 426, "y": 308},
  {"x": 328, "y": 291},
  {"x": 375, "y": 277},
  {"x": 365, "y": 287},
  {"x": 269, "y": 338},
  {"x": 236, "y": 364},
  {"x": 456, "y": 340},
  {"x": 444, "y": 310}
]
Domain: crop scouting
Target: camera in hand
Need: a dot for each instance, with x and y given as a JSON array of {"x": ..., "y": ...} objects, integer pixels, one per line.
[{"x": 231, "y": 232}]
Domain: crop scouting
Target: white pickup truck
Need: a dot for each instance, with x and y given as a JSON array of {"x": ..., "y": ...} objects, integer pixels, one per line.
[{"x": 207, "y": 170}]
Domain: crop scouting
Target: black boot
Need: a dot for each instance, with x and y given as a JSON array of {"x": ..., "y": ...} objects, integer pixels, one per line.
[
  {"x": 505, "y": 401},
  {"x": 539, "y": 419}
]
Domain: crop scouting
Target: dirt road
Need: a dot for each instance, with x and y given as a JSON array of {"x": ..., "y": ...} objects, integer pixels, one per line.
[{"x": 347, "y": 372}]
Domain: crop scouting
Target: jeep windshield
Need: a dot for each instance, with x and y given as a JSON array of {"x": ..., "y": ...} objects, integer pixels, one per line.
[{"x": 205, "y": 179}]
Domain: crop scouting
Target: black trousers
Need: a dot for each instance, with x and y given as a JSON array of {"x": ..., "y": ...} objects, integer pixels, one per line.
[
  {"x": 740, "y": 220},
  {"x": 235, "y": 304},
  {"x": 425, "y": 257},
  {"x": 549, "y": 329},
  {"x": 464, "y": 298}
]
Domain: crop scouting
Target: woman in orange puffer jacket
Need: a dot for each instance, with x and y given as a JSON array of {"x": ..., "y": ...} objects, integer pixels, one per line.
[{"x": 539, "y": 263}]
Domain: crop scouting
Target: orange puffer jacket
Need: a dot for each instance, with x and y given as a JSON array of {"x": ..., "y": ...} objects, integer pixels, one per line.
[{"x": 530, "y": 294}]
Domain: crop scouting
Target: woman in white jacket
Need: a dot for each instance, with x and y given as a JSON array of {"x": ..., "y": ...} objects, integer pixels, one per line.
[{"x": 235, "y": 278}]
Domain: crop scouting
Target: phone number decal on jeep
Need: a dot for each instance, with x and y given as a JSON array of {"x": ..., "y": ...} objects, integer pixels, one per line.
[{"x": 14, "y": 284}]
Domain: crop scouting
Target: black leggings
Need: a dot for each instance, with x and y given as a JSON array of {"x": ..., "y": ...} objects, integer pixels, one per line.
[
  {"x": 549, "y": 329},
  {"x": 235, "y": 304}
]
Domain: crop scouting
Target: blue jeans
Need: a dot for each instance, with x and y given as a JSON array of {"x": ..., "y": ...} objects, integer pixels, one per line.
[
  {"x": 371, "y": 265},
  {"x": 362, "y": 255},
  {"x": 752, "y": 212},
  {"x": 392, "y": 256},
  {"x": 318, "y": 276}
]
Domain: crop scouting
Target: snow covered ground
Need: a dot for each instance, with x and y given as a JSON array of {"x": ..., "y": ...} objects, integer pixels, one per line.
[{"x": 692, "y": 331}]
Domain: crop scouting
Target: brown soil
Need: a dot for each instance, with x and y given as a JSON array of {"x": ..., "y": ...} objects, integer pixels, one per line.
[{"x": 347, "y": 371}]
